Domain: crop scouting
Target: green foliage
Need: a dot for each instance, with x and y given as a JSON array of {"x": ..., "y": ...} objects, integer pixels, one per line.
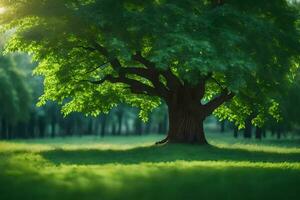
[
  {"x": 251, "y": 48},
  {"x": 289, "y": 105}
]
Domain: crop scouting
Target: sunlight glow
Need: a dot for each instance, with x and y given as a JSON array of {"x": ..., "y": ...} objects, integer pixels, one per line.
[{"x": 2, "y": 10}]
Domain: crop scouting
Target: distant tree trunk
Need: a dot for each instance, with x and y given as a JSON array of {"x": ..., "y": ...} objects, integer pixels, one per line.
[
  {"x": 94, "y": 126},
  {"x": 1, "y": 133},
  {"x": 222, "y": 126},
  {"x": 258, "y": 133},
  {"x": 4, "y": 129},
  {"x": 68, "y": 126},
  {"x": 248, "y": 129},
  {"x": 21, "y": 130},
  {"x": 9, "y": 133},
  {"x": 278, "y": 134},
  {"x": 127, "y": 128},
  {"x": 163, "y": 125},
  {"x": 160, "y": 127},
  {"x": 32, "y": 125},
  {"x": 120, "y": 115},
  {"x": 42, "y": 126},
  {"x": 114, "y": 129},
  {"x": 53, "y": 128},
  {"x": 79, "y": 126},
  {"x": 264, "y": 132},
  {"x": 90, "y": 127},
  {"x": 273, "y": 131},
  {"x": 235, "y": 132},
  {"x": 148, "y": 126},
  {"x": 279, "y": 131},
  {"x": 103, "y": 120},
  {"x": 138, "y": 126}
]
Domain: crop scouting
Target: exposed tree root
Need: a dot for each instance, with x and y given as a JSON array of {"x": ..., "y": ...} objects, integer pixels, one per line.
[{"x": 164, "y": 141}]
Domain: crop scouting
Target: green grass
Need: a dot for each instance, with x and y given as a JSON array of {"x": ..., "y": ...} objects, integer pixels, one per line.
[{"x": 133, "y": 168}]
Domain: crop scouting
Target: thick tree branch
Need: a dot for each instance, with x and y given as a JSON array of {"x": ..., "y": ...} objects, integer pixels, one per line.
[
  {"x": 135, "y": 86},
  {"x": 87, "y": 48},
  {"x": 218, "y": 101},
  {"x": 210, "y": 76},
  {"x": 104, "y": 52},
  {"x": 98, "y": 67},
  {"x": 218, "y": 83},
  {"x": 172, "y": 81},
  {"x": 148, "y": 74},
  {"x": 218, "y": 2},
  {"x": 199, "y": 90}
]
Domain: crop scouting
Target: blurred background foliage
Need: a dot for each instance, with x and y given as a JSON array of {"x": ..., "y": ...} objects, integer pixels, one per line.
[{"x": 21, "y": 118}]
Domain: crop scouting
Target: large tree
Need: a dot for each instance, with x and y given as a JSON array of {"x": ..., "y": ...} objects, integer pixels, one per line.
[{"x": 199, "y": 56}]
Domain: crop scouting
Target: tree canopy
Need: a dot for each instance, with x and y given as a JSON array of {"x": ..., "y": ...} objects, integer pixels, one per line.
[{"x": 96, "y": 54}]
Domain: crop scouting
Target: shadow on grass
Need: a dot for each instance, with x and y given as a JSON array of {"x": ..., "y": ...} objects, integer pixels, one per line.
[
  {"x": 166, "y": 153},
  {"x": 158, "y": 183},
  {"x": 37, "y": 180}
]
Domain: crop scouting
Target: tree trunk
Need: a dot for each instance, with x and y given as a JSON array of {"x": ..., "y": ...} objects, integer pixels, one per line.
[
  {"x": 222, "y": 126},
  {"x": 264, "y": 132},
  {"x": 103, "y": 125},
  {"x": 258, "y": 133},
  {"x": 114, "y": 129},
  {"x": 248, "y": 129},
  {"x": 187, "y": 113},
  {"x": 120, "y": 115},
  {"x": 3, "y": 129},
  {"x": 127, "y": 127},
  {"x": 53, "y": 129},
  {"x": 90, "y": 130},
  {"x": 185, "y": 126},
  {"x": 138, "y": 127},
  {"x": 235, "y": 131},
  {"x": 32, "y": 125},
  {"x": 148, "y": 126},
  {"x": 279, "y": 131}
]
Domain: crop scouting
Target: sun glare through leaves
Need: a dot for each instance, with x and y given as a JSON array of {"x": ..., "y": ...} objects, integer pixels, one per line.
[{"x": 2, "y": 10}]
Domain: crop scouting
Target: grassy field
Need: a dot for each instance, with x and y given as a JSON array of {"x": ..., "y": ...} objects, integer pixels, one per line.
[{"x": 133, "y": 168}]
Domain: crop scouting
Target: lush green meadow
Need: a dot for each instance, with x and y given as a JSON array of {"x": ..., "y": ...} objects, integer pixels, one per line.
[{"x": 133, "y": 168}]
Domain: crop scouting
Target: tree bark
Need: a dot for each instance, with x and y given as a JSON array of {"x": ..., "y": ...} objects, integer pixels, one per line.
[
  {"x": 185, "y": 127},
  {"x": 187, "y": 113},
  {"x": 186, "y": 117}
]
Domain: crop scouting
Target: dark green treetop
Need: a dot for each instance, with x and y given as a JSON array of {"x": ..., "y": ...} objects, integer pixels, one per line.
[{"x": 95, "y": 54}]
